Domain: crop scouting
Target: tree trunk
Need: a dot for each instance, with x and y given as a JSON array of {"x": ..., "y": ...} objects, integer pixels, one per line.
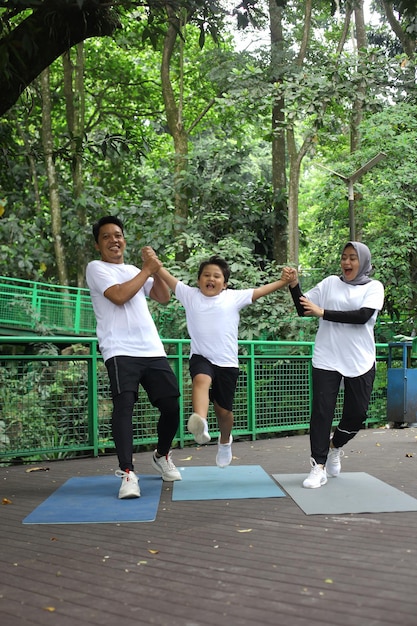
[
  {"x": 408, "y": 42},
  {"x": 54, "y": 200},
  {"x": 75, "y": 111},
  {"x": 279, "y": 177},
  {"x": 176, "y": 128}
]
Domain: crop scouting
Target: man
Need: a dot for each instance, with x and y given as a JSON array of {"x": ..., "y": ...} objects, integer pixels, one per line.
[{"x": 132, "y": 349}]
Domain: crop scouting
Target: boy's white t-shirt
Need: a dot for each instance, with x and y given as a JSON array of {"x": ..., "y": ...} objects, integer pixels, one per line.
[
  {"x": 346, "y": 348},
  {"x": 126, "y": 329},
  {"x": 213, "y": 322}
]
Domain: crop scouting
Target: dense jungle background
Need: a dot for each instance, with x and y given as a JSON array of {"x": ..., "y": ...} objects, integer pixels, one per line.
[{"x": 212, "y": 127}]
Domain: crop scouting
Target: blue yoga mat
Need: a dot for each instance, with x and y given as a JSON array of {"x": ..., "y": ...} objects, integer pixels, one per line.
[
  {"x": 94, "y": 500},
  {"x": 228, "y": 483}
]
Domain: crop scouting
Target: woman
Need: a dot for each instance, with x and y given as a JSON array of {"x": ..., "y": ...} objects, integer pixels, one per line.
[{"x": 344, "y": 349}]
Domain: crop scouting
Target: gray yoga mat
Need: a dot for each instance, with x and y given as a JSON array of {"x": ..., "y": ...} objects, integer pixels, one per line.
[{"x": 351, "y": 492}]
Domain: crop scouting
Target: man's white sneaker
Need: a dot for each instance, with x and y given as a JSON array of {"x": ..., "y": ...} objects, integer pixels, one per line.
[
  {"x": 224, "y": 453},
  {"x": 130, "y": 484},
  {"x": 317, "y": 476},
  {"x": 198, "y": 427},
  {"x": 165, "y": 466},
  {"x": 333, "y": 464}
]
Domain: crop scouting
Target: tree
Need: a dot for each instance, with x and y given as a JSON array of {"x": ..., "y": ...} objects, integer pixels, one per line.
[{"x": 50, "y": 29}]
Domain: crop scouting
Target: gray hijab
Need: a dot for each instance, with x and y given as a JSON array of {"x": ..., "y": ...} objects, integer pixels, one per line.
[{"x": 365, "y": 266}]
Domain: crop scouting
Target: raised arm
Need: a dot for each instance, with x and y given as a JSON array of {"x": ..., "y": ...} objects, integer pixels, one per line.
[
  {"x": 168, "y": 278},
  {"x": 160, "y": 291},
  {"x": 287, "y": 276},
  {"x": 123, "y": 292}
]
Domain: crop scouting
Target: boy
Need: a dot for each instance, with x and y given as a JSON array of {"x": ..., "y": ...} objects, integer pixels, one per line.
[{"x": 212, "y": 313}]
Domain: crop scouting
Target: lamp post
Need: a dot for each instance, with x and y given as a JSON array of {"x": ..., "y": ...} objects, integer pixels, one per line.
[{"x": 350, "y": 180}]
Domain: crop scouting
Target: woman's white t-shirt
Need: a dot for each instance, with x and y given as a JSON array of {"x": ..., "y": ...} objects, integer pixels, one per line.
[
  {"x": 122, "y": 329},
  {"x": 346, "y": 348},
  {"x": 213, "y": 322}
]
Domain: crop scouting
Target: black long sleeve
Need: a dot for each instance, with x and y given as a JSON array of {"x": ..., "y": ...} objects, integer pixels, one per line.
[
  {"x": 359, "y": 316},
  {"x": 296, "y": 294}
]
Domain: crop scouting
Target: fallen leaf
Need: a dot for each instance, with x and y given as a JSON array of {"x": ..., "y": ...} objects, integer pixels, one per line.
[
  {"x": 6, "y": 501},
  {"x": 153, "y": 551},
  {"x": 245, "y": 530},
  {"x": 187, "y": 458},
  {"x": 328, "y": 581},
  {"x": 51, "y": 609},
  {"x": 37, "y": 469}
]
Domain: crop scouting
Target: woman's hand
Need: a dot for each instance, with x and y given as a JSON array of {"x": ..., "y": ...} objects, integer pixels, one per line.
[{"x": 310, "y": 308}]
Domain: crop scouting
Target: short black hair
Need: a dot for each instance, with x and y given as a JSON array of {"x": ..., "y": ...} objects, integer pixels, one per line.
[
  {"x": 107, "y": 219},
  {"x": 216, "y": 260}
]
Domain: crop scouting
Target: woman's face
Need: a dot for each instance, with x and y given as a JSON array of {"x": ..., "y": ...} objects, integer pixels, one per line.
[{"x": 349, "y": 263}]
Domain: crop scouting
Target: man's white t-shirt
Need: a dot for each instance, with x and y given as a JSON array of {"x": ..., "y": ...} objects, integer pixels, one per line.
[
  {"x": 346, "y": 348},
  {"x": 122, "y": 329},
  {"x": 213, "y": 322}
]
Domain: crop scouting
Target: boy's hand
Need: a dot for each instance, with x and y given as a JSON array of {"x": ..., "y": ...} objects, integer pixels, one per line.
[{"x": 148, "y": 252}]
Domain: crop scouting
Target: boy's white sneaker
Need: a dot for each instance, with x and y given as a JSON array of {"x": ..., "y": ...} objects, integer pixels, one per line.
[
  {"x": 130, "y": 484},
  {"x": 224, "y": 453},
  {"x": 317, "y": 476},
  {"x": 198, "y": 427}
]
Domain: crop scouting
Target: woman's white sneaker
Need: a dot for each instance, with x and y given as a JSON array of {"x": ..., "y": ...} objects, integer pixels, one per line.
[
  {"x": 333, "y": 464},
  {"x": 317, "y": 476}
]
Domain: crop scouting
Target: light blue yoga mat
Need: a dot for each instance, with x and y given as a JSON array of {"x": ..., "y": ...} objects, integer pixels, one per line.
[
  {"x": 228, "y": 483},
  {"x": 350, "y": 492},
  {"x": 94, "y": 500}
]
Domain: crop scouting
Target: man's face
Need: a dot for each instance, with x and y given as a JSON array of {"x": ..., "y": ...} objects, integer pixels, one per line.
[{"x": 111, "y": 243}]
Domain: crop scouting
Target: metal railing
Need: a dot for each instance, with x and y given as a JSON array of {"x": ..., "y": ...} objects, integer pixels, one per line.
[{"x": 55, "y": 400}]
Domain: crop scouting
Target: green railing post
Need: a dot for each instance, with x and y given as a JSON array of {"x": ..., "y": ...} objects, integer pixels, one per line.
[
  {"x": 251, "y": 392},
  {"x": 93, "y": 397},
  {"x": 77, "y": 313}
]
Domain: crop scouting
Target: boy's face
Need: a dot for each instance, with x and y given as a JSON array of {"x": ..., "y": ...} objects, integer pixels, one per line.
[
  {"x": 111, "y": 243},
  {"x": 211, "y": 281}
]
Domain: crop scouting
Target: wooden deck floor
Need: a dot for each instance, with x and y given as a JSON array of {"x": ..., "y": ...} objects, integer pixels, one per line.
[{"x": 290, "y": 569}]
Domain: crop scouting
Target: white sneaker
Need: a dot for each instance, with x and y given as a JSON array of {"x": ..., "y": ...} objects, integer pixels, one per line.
[
  {"x": 317, "y": 476},
  {"x": 198, "y": 427},
  {"x": 333, "y": 464},
  {"x": 165, "y": 466},
  {"x": 130, "y": 484},
  {"x": 224, "y": 453}
]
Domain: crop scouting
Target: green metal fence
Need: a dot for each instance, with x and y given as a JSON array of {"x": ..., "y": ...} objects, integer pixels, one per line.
[
  {"x": 31, "y": 306},
  {"x": 42, "y": 308},
  {"x": 55, "y": 400}
]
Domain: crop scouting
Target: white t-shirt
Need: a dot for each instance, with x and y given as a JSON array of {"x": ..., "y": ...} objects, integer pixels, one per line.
[
  {"x": 346, "y": 348},
  {"x": 126, "y": 329},
  {"x": 213, "y": 322}
]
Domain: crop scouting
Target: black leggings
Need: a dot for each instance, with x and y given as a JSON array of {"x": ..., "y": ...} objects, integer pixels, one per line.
[
  {"x": 357, "y": 394},
  {"x": 122, "y": 427}
]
